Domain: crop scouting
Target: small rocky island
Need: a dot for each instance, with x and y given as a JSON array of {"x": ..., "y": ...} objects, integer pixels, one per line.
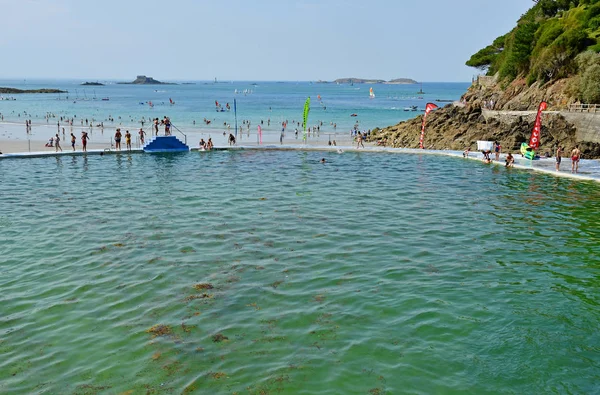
[
  {"x": 353, "y": 80},
  {"x": 92, "y": 84},
  {"x": 143, "y": 80},
  {"x": 14, "y": 91}
]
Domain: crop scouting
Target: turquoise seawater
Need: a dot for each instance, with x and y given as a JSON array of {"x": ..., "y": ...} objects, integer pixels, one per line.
[
  {"x": 369, "y": 274},
  {"x": 256, "y": 102}
]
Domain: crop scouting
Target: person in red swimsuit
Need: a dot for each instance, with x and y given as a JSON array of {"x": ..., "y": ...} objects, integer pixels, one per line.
[
  {"x": 575, "y": 155},
  {"x": 84, "y": 140}
]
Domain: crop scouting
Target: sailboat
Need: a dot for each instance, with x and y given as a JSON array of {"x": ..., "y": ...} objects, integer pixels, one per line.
[
  {"x": 420, "y": 92},
  {"x": 371, "y": 94}
]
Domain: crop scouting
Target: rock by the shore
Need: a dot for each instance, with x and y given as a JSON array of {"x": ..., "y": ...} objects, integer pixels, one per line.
[
  {"x": 143, "y": 80},
  {"x": 14, "y": 91}
]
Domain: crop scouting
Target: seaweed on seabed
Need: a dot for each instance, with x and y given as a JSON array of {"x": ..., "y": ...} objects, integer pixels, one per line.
[
  {"x": 202, "y": 286},
  {"x": 219, "y": 337},
  {"x": 160, "y": 330}
]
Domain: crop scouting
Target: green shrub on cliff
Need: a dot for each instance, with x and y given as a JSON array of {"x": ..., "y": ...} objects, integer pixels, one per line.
[
  {"x": 586, "y": 86},
  {"x": 545, "y": 42}
]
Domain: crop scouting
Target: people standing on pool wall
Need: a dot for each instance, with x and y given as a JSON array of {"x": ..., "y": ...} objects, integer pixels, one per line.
[
  {"x": 73, "y": 138},
  {"x": 142, "y": 134},
  {"x": 128, "y": 140},
  {"x": 57, "y": 143},
  {"x": 510, "y": 160},
  {"x": 497, "y": 149},
  {"x": 575, "y": 156},
  {"x": 558, "y": 154},
  {"x": 84, "y": 140},
  {"x": 118, "y": 139}
]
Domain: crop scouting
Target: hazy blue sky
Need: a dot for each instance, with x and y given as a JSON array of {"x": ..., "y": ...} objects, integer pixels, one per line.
[{"x": 249, "y": 40}]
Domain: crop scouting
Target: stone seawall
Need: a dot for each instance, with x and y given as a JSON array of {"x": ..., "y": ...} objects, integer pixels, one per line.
[{"x": 587, "y": 124}]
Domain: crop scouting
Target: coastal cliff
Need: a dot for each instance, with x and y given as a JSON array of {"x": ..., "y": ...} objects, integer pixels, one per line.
[
  {"x": 551, "y": 55},
  {"x": 487, "y": 111}
]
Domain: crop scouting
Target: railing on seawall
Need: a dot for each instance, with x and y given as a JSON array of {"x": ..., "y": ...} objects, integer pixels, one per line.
[{"x": 592, "y": 108}]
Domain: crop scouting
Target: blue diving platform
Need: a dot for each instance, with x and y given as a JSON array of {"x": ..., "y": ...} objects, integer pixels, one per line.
[{"x": 165, "y": 144}]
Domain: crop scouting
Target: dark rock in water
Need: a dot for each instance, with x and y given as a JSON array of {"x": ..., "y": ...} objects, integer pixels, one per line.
[
  {"x": 14, "y": 91},
  {"x": 92, "y": 84},
  {"x": 143, "y": 80}
]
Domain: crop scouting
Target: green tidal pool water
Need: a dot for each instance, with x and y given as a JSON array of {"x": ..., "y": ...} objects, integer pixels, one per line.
[{"x": 271, "y": 273}]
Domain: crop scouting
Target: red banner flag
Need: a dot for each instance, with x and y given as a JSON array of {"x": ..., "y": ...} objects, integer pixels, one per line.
[
  {"x": 428, "y": 108},
  {"x": 534, "y": 141}
]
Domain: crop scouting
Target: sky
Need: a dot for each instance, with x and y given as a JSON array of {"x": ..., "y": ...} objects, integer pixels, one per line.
[{"x": 253, "y": 40}]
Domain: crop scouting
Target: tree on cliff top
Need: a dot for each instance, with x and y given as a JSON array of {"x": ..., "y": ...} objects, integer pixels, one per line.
[{"x": 545, "y": 42}]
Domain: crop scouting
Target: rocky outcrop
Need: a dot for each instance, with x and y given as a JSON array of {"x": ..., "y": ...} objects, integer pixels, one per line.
[
  {"x": 143, "y": 80},
  {"x": 460, "y": 125},
  {"x": 14, "y": 91}
]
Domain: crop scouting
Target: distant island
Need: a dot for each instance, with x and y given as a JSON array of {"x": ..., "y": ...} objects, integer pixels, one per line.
[
  {"x": 396, "y": 81},
  {"x": 92, "y": 84},
  {"x": 400, "y": 81},
  {"x": 143, "y": 80},
  {"x": 14, "y": 91}
]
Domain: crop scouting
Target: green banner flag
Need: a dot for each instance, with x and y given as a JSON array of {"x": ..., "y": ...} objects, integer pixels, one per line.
[{"x": 306, "y": 111}]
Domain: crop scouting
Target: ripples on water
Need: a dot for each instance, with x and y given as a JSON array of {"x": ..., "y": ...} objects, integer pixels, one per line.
[{"x": 371, "y": 274}]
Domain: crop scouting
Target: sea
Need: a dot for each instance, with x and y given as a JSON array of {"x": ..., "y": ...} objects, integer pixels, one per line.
[
  {"x": 270, "y": 272},
  {"x": 336, "y": 109}
]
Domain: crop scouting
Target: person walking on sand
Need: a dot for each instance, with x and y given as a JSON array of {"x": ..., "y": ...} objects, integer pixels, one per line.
[
  {"x": 559, "y": 150},
  {"x": 128, "y": 140},
  {"x": 497, "y": 149},
  {"x": 73, "y": 138},
  {"x": 359, "y": 140},
  {"x": 57, "y": 143},
  {"x": 84, "y": 140},
  {"x": 118, "y": 139},
  {"x": 575, "y": 156}
]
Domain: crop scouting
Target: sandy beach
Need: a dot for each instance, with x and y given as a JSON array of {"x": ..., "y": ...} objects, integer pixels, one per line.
[{"x": 14, "y": 138}]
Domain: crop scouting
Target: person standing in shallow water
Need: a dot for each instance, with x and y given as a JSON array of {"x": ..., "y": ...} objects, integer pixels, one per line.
[{"x": 359, "y": 140}]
